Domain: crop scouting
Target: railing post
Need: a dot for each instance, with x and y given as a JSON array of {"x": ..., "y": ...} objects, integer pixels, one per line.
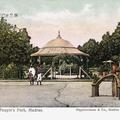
[
  {"x": 51, "y": 73},
  {"x": 80, "y": 72},
  {"x": 54, "y": 72},
  {"x": 70, "y": 72},
  {"x": 60, "y": 72}
]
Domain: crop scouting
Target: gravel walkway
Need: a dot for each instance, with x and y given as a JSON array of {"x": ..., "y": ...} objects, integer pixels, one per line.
[{"x": 55, "y": 94}]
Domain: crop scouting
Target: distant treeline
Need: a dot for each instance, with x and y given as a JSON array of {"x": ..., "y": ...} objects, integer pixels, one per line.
[{"x": 107, "y": 49}]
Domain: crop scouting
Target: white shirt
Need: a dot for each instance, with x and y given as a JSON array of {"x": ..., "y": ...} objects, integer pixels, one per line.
[{"x": 32, "y": 69}]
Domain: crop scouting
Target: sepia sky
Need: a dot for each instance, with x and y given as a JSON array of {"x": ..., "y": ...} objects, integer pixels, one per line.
[{"x": 78, "y": 20}]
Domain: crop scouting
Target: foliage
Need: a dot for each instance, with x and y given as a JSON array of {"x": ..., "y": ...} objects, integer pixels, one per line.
[
  {"x": 34, "y": 60},
  {"x": 45, "y": 69},
  {"x": 9, "y": 71},
  {"x": 15, "y": 44},
  {"x": 116, "y": 58},
  {"x": 107, "y": 49},
  {"x": 110, "y": 45},
  {"x": 15, "y": 51},
  {"x": 15, "y": 47},
  {"x": 95, "y": 78},
  {"x": 65, "y": 59},
  {"x": 104, "y": 68},
  {"x": 65, "y": 68},
  {"x": 92, "y": 48},
  {"x": 47, "y": 60}
]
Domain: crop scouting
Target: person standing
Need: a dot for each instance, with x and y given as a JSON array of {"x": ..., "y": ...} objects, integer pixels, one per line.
[
  {"x": 31, "y": 75},
  {"x": 39, "y": 72}
]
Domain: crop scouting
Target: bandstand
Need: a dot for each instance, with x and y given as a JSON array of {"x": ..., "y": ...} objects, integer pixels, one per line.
[{"x": 56, "y": 47}]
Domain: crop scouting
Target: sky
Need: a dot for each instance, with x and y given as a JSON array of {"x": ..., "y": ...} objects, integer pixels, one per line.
[{"x": 77, "y": 20}]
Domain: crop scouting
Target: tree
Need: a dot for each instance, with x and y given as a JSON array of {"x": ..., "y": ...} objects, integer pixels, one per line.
[
  {"x": 34, "y": 60},
  {"x": 15, "y": 45},
  {"x": 107, "y": 49},
  {"x": 115, "y": 37},
  {"x": 92, "y": 48},
  {"x": 110, "y": 44}
]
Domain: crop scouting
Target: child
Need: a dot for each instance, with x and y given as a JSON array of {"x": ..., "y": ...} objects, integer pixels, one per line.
[
  {"x": 32, "y": 74},
  {"x": 31, "y": 78}
]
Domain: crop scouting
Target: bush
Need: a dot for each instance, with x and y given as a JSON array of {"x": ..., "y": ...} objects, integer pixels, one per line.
[
  {"x": 10, "y": 71},
  {"x": 103, "y": 68}
]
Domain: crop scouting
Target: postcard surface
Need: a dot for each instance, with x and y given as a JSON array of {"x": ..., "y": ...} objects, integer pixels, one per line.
[{"x": 59, "y": 53}]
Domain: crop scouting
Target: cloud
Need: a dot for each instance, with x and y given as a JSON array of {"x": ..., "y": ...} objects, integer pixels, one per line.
[
  {"x": 8, "y": 9},
  {"x": 77, "y": 27},
  {"x": 87, "y": 9},
  {"x": 53, "y": 17},
  {"x": 86, "y": 14}
]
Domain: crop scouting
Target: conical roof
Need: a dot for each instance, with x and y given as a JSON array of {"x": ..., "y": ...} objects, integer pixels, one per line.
[
  {"x": 58, "y": 46},
  {"x": 58, "y": 42}
]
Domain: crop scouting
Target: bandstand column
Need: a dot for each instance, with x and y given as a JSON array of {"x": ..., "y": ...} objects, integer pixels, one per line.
[{"x": 70, "y": 71}]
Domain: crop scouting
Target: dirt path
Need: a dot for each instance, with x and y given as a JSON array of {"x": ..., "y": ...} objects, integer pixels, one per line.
[{"x": 55, "y": 94}]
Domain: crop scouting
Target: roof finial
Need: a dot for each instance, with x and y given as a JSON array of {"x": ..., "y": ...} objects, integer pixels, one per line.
[{"x": 59, "y": 34}]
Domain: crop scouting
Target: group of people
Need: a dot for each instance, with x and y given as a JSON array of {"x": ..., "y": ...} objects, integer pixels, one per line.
[{"x": 35, "y": 74}]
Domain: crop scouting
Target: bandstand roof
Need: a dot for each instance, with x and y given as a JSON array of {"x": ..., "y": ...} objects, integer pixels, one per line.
[{"x": 58, "y": 46}]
